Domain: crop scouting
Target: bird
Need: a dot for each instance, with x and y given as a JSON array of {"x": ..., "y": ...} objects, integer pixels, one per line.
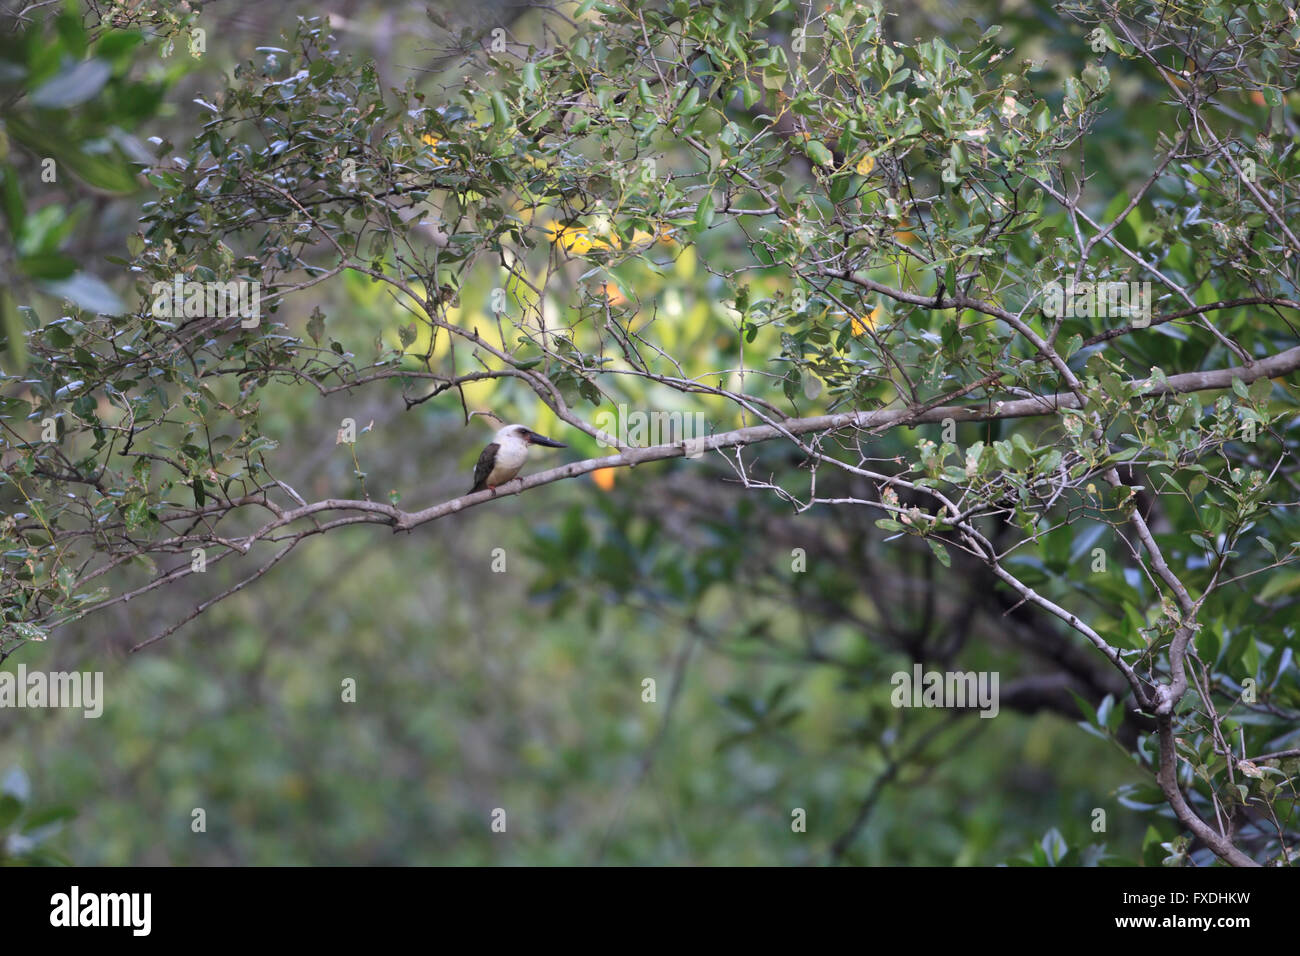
[{"x": 502, "y": 459}]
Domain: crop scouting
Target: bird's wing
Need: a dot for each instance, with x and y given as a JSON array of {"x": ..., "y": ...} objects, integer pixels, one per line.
[{"x": 484, "y": 467}]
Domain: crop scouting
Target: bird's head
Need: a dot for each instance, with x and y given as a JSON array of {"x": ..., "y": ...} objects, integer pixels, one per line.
[
  {"x": 516, "y": 432},
  {"x": 528, "y": 436}
]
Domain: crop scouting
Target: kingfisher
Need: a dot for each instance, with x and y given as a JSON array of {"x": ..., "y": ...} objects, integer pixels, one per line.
[{"x": 502, "y": 459}]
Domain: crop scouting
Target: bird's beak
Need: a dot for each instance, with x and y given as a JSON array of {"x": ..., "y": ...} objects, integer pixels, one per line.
[{"x": 536, "y": 439}]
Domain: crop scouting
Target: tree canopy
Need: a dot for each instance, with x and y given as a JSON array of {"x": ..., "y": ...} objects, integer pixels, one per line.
[{"x": 977, "y": 340}]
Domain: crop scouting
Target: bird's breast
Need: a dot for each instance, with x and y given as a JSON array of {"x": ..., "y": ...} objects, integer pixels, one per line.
[
  {"x": 512, "y": 454},
  {"x": 510, "y": 458}
]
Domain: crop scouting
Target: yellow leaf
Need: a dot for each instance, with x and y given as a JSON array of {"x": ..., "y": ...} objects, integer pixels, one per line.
[
  {"x": 866, "y": 164},
  {"x": 577, "y": 239},
  {"x": 663, "y": 234},
  {"x": 862, "y": 323},
  {"x": 604, "y": 478},
  {"x": 614, "y": 294},
  {"x": 432, "y": 142}
]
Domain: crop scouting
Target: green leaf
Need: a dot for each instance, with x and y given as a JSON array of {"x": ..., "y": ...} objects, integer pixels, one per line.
[
  {"x": 1250, "y": 658},
  {"x": 1209, "y": 641},
  {"x": 688, "y": 102},
  {"x": 1041, "y": 117},
  {"x": 704, "y": 212},
  {"x": 819, "y": 154},
  {"x": 500, "y": 111},
  {"x": 1085, "y": 708}
]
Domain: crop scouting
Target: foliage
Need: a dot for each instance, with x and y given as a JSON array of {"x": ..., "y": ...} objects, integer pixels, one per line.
[{"x": 838, "y": 246}]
